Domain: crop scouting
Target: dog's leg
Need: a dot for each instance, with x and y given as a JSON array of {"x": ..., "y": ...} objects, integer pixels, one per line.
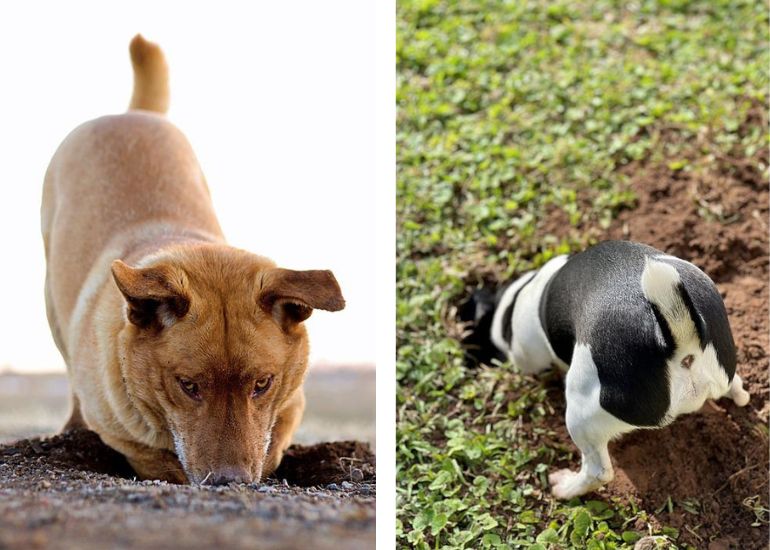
[
  {"x": 147, "y": 462},
  {"x": 591, "y": 428},
  {"x": 76, "y": 418},
  {"x": 737, "y": 393},
  {"x": 286, "y": 424},
  {"x": 157, "y": 464},
  {"x": 596, "y": 466}
]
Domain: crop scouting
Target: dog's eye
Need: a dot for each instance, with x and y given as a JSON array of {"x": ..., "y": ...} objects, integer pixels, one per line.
[
  {"x": 190, "y": 388},
  {"x": 262, "y": 385}
]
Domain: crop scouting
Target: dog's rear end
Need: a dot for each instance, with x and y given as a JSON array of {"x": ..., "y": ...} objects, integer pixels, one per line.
[{"x": 703, "y": 360}]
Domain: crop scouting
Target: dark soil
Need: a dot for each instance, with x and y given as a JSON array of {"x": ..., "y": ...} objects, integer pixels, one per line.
[
  {"x": 71, "y": 491},
  {"x": 715, "y": 462},
  {"x": 79, "y": 450}
]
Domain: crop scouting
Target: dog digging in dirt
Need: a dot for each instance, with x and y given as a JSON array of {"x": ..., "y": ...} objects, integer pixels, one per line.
[
  {"x": 184, "y": 354},
  {"x": 644, "y": 337}
]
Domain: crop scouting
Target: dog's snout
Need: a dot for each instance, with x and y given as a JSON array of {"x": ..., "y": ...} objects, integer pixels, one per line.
[{"x": 229, "y": 474}]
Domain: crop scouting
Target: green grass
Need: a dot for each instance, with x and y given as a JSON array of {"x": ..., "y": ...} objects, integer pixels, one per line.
[{"x": 507, "y": 112}]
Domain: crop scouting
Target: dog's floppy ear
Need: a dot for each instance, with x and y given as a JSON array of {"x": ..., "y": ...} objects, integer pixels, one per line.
[
  {"x": 155, "y": 295},
  {"x": 291, "y": 296}
]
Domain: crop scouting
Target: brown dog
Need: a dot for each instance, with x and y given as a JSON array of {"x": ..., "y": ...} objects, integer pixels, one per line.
[{"x": 184, "y": 354}]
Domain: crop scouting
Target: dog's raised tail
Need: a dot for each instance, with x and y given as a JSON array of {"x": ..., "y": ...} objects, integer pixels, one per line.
[
  {"x": 150, "y": 76},
  {"x": 662, "y": 286}
]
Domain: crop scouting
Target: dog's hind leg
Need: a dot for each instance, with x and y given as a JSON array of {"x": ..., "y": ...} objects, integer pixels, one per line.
[
  {"x": 591, "y": 428},
  {"x": 737, "y": 393},
  {"x": 595, "y": 468}
]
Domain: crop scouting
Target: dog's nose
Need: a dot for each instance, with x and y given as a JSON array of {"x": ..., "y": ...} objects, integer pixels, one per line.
[{"x": 229, "y": 474}]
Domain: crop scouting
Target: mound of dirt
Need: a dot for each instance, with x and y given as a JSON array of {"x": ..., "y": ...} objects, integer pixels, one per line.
[
  {"x": 325, "y": 463},
  {"x": 78, "y": 450}
]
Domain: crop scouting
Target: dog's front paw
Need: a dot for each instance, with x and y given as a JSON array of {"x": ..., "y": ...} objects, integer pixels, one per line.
[{"x": 566, "y": 484}]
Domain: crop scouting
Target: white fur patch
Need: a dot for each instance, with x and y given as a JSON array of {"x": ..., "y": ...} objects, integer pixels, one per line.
[
  {"x": 660, "y": 283},
  {"x": 166, "y": 316},
  {"x": 531, "y": 351},
  {"x": 268, "y": 439},
  {"x": 179, "y": 448},
  {"x": 737, "y": 393},
  {"x": 505, "y": 301}
]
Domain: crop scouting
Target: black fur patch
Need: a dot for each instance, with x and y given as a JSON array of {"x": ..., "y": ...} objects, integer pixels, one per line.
[{"x": 478, "y": 310}]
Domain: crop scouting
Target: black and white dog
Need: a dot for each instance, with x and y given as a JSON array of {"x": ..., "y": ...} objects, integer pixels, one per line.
[{"x": 644, "y": 335}]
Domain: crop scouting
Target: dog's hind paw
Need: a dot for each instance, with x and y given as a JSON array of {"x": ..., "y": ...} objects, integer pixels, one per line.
[
  {"x": 566, "y": 484},
  {"x": 554, "y": 478}
]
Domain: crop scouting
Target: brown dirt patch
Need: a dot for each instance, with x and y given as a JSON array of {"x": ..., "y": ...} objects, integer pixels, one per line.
[
  {"x": 714, "y": 462},
  {"x": 71, "y": 490}
]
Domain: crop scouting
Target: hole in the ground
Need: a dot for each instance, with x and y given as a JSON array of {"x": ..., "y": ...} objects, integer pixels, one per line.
[{"x": 304, "y": 466}]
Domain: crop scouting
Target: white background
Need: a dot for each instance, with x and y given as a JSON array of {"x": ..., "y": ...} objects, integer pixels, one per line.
[{"x": 278, "y": 101}]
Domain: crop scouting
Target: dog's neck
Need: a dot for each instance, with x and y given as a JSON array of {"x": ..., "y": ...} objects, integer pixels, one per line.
[{"x": 517, "y": 328}]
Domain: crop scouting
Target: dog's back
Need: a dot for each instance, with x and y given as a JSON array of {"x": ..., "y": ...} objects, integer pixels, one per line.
[{"x": 107, "y": 189}]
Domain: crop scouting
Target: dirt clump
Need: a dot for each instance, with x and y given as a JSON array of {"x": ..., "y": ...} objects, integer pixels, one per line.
[{"x": 79, "y": 450}]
